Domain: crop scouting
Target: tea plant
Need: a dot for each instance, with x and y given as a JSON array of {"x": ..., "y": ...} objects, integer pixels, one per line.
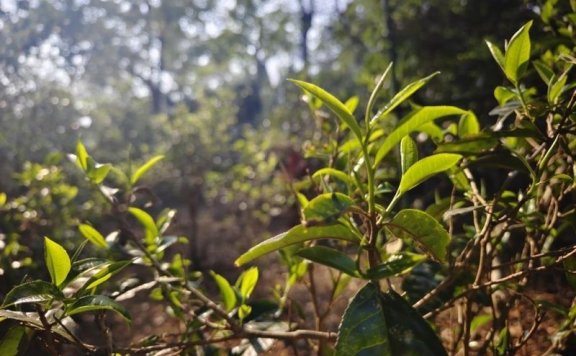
[{"x": 473, "y": 247}]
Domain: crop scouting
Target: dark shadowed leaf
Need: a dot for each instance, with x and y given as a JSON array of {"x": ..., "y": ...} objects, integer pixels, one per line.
[
  {"x": 32, "y": 292},
  {"x": 363, "y": 330},
  {"x": 396, "y": 264},
  {"x": 10, "y": 343},
  {"x": 329, "y": 257},
  {"x": 423, "y": 228},
  {"x": 96, "y": 303},
  {"x": 409, "y": 333}
]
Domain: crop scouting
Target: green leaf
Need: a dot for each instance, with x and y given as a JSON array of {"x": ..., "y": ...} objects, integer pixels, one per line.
[
  {"x": 329, "y": 257},
  {"x": 297, "y": 234},
  {"x": 32, "y": 292},
  {"x": 226, "y": 291},
  {"x": 470, "y": 146},
  {"x": 10, "y": 343},
  {"x": 333, "y": 104},
  {"x": 326, "y": 207},
  {"x": 333, "y": 173},
  {"x": 148, "y": 223},
  {"x": 425, "y": 168},
  {"x": 34, "y": 320},
  {"x": 468, "y": 125},
  {"x": 423, "y": 228},
  {"x": 556, "y": 87},
  {"x": 96, "y": 303},
  {"x": 3, "y": 198},
  {"x": 496, "y": 54},
  {"x": 104, "y": 273},
  {"x": 408, "y": 153},
  {"x": 243, "y": 311},
  {"x": 363, "y": 330},
  {"x": 517, "y": 54},
  {"x": 352, "y": 103},
  {"x": 544, "y": 71},
  {"x": 247, "y": 282},
  {"x": 92, "y": 235},
  {"x": 144, "y": 168},
  {"x": 409, "y": 332},
  {"x": 395, "y": 265},
  {"x": 402, "y": 96},
  {"x": 57, "y": 261},
  {"x": 99, "y": 172},
  {"x": 504, "y": 95},
  {"x": 82, "y": 156},
  {"x": 412, "y": 123}
]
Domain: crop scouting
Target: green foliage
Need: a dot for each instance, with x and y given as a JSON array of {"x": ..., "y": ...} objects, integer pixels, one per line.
[{"x": 368, "y": 211}]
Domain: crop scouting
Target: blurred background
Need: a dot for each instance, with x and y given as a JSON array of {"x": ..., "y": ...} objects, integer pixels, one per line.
[{"x": 204, "y": 83}]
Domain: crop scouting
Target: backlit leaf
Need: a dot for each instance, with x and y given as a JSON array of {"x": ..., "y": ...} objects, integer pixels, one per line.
[
  {"x": 226, "y": 291},
  {"x": 403, "y": 95},
  {"x": 411, "y": 123},
  {"x": 408, "y": 153},
  {"x": 496, "y": 54},
  {"x": 297, "y": 234},
  {"x": 82, "y": 156},
  {"x": 327, "y": 207},
  {"x": 148, "y": 223},
  {"x": 57, "y": 261},
  {"x": 341, "y": 111},
  {"x": 468, "y": 125},
  {"x": 247, "y": 282},
  {"x": 333, "y": 173},
  {"x": 425, "y": 168},
  {"x": 145, "y": 168},
  {"x": 517, "y": 54},
  {"x": 92, "y": 235}
]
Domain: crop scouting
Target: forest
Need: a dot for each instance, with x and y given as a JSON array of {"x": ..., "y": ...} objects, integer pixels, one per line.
[{"x": 269, "y": 177}]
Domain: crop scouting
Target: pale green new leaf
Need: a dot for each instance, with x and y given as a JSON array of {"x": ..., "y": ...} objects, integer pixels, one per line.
[
  {"x": 104, "y": 274},
  {"x": 333, "y": 104},
  {"x": 97, "y": 303},
  {"x": 247, "y": 282},
  {"x": 468, "y": 125},
  {"x": 517, "y": 53},
  {"x": 100, "y": 172},
  {"x": 82, "y": 156},
  {"x": 402, "y": 96},
  {"x": 333, "y": 173},
  {"x": 57, "y": 261},
  {"x": 408, "y": 153},
  {"x": 556, "y": 87},
  {"x": 144, "y": 168},
  {"x": 92, "y": 235},
  {"x": 496, "y": 54},
  {"x": 298, "y": 234},
  {"x": 3, "y": 198},
  {"x": 412, "y": 123},
  {"x": 146, "y": 220},
  {"x": 326, "y": 207},
  {"x": 226, "y": 291},
  {"x": 425, "y": 168}
]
